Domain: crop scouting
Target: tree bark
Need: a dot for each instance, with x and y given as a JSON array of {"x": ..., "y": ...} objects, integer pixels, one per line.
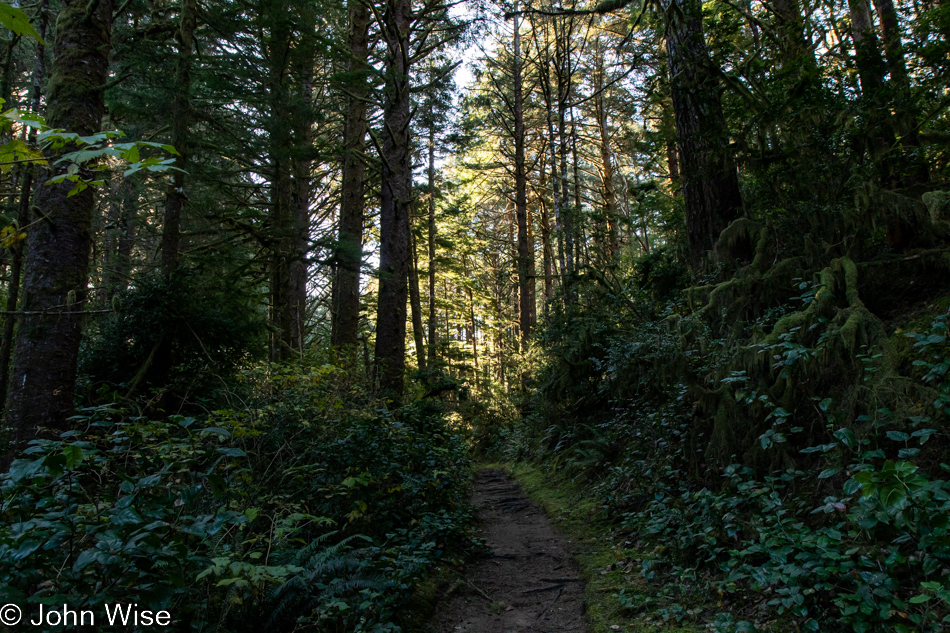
[
  {"x": 546, "y": 93},
  {"x": 57, "y": 266},
  {"x": 301, "y": 164},
  {"x": 349, "y": 253},
  {"x": 905, "y": 116},
  {"x": 180, "y": 115},
  {"x": 608, "y": 194},
  {"x": 521, "y": 190},
  {"x": 710, "y": 180},
  {"x": 415, "y": 304},
  {"x": 396, "y": 190},
  {"x": 23, "y": 210},
  {"x": 433, "y": 318},
  {"x": 547, "y": 251}
]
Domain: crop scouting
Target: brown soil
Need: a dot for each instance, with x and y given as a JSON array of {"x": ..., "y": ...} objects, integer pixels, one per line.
[{"x": 528, "y": 582}]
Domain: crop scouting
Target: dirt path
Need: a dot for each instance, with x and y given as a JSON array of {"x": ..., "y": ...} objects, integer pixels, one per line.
[{"x": 529, "y": 584}]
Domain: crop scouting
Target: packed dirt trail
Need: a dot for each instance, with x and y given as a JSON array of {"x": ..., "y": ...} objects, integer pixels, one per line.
[{"x": 527, "y": 583}]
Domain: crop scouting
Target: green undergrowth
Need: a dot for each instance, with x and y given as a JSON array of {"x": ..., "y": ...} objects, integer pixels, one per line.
[
  {"x": 616, "y": 596},
  {"x": 312, "y": 506},
  {"x": 770, "y": 448}
]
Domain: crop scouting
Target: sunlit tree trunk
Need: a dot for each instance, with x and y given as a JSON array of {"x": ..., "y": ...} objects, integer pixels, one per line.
[
  {"x": 433, "y": 319},
  {"x": 606, "y": 159},
  {"x": 547, "y": 251},
  {"x": 521, "y": 190},
  {"x": 415, "y": 303}
]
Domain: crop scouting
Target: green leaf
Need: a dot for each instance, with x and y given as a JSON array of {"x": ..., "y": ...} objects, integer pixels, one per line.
[
  {"x": 217, "y": 484},
  {"x": 232, "y": 452},
  {"x": 217, "y": 430},
  {"x": 919, "y": 599},
  {"x": 23, "y": 468},
  {"x": 829, "y": 472},
  {"x": 923, "y": 434},
  {"x": 847, "y": 437},
  {"x": 73, "y": 455},
  {"x": 126, "y": 516},
  {"x": 15, "y": 20},
  {"x": 898, "y": 436}
]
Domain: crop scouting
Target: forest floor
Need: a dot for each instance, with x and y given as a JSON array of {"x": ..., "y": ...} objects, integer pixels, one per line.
[{"x": 527, "y": 582}]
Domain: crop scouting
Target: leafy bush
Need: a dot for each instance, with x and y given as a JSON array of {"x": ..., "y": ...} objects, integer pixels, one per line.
[
  {"x": 788, "y": 461},
  {"x": 308, "y": 505}
]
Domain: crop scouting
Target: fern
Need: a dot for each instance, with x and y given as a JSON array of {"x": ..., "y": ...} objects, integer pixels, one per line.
[{"x": 330, "y": 572}]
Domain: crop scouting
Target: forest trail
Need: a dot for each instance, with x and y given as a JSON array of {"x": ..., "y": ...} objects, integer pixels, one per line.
[{"x": 528, "y": 583}]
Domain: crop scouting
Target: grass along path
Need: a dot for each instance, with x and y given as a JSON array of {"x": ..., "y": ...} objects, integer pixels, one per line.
[{"x": 617, "y": 596}]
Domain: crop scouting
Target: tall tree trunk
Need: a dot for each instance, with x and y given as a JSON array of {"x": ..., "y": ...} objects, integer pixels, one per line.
[
  {"x": 23, "y": 210},
  {"x": 395, "y": 197},
  {"x": 880, "y": 126},
  {"x": 790, "y": 27},
  {"x": 521, "y": 190},
  {"x": 563, "y": 85},
  {"x": 905, "y": 116},
  {"x": 711, "y": 183},
  {"x": 120, "y": 262},
  {"x": 277, "y": 50},
  {"x": 349, "y": 252},
  {"x": 301, "y": 162},
  {"x": 580, "y": 233},
  {"x": 6, "y": 79},
  {"x": 546, "y": 93},
  {"x": 474, "y": 336},
  {"x": 433, "y": 319},
  {"x": 608, "y": 194},
  {"x": 415, "y": 304},
  {"x": 181, "y": 116},
  {"x": 547, "y": 251},
  {"x": 57, "y": 266}
]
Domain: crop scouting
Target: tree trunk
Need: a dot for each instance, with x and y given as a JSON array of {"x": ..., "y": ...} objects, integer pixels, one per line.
[
  {"x": 23, "y": 211},
  {"x": 547, "y": 251},
  {"x": 180, "y": 115},
  {"x": 544, "y": 69},
  {"x": 349, "y": 252},
  {"x": 905, "y": 117},
  {"x": 608, "y": 194},
  {"x": 415, "y": 303},
  {"x": 710, "y": 180},
  {"x": 521, "y": 190},
  {"x": 302, "y": 144},
  {"x": 433, "y": 319},
  {"x": 396, "y": 191},
  {"x": 57, "y": 266}
]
